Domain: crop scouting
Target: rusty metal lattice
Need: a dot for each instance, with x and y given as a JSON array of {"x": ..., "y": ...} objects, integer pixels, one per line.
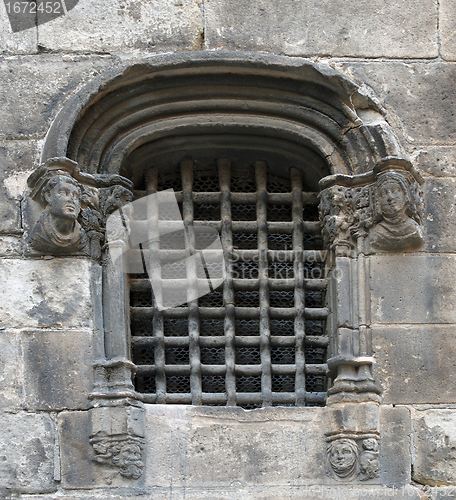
[{"x": 258, "y": 340}]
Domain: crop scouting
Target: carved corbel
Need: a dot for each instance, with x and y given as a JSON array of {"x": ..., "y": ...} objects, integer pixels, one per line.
[
  {"x": 72, "y": 208},
  {"x": 353, "y": 442},
  {"x": 385, "y": 206},
  {"x": 117, "y": 439},
  {"x": 377, "y": 211},
  {"x": 353, "y": 456}
]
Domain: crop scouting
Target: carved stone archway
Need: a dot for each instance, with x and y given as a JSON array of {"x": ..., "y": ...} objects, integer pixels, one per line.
[{"x": 225, "y": 104}]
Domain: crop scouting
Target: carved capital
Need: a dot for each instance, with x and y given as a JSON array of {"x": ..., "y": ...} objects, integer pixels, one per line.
[
  {"x": 74, "y": 207},
  {"x": 337, "y": 216},
  {"x": 384, "y": 207}
]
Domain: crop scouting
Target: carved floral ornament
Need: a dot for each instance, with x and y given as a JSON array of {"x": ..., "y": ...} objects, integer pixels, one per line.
[
  {"x": 382, "y": 208},
  {"x": 76, "y": 206}
]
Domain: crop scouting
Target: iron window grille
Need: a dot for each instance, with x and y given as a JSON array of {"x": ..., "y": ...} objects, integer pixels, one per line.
[{"x": 259, "y": 339}]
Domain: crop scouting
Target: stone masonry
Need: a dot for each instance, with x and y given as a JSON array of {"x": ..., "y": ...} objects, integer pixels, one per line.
[{"x": 72, "y": 425}]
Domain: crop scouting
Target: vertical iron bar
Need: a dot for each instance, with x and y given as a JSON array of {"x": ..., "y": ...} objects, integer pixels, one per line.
[
  {"x": 193, "y": 314},
  {"x": 224, "y": 169},
  {"x": 265, "y": 333},
  {"x": 299, "y": 292},
  {"x": 155, "y": 276}
]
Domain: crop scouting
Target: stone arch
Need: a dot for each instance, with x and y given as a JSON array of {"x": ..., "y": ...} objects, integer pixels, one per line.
[{"x": 131, "y": 116}]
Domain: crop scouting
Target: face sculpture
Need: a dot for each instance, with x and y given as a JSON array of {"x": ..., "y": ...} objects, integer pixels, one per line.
[
  {"x": 392, "y": 198},
  {"x": 58, "y": 230},
  {"x": 63, "y": 197},
  {"x": 343, "y": 454}
]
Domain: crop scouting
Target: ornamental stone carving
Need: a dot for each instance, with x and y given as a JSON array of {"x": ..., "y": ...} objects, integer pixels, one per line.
[
  {"x": 397, "y": 214},
  {"x": 118, "y": 437},
  {"x": 368, "y": 459},
  {"x": 343, "y": 456},
  {"x": 58, "y": 226},
  {"x": 76, "y": 206},
  {"x": 354, "y": 456},
  {"x": 123, "y": 452},
  {"x": 384, "y": 207}
]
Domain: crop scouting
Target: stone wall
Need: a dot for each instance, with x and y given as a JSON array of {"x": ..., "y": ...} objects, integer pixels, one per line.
[{"x": 403, "y": 55}]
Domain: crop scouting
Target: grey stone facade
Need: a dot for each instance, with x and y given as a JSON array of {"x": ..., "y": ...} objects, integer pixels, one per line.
[{"x": 357, "y": 93}]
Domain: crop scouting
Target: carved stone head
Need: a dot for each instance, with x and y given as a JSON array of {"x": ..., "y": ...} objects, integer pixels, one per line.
[
  {"x": 343, "y": 456},
  {"x": 58, "y": 231},
  {"x": 62, "y": 196},
  {"x": 393, "y": 196},
  {"x": 397, "y": 213}
]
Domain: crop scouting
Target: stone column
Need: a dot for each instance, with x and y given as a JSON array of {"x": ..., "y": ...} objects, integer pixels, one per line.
[
  {"x": 379, "y": 211},
  {"x": 74, "y": 213}
]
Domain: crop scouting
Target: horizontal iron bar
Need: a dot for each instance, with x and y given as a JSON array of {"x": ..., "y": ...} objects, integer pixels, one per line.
[
  {"x": 144, "y": 285},
  {"x": 308, "y": 198},
  {"x": 317, "y": 313},
  {"x": 170, "y": 255},
  {"x": 310, "y": 227},
  {"x": 239, "y": 341},
  {"x": 243, "y": 370},
  {"x": 279, "y": 284},
  {"x": 242, "y": 398}
]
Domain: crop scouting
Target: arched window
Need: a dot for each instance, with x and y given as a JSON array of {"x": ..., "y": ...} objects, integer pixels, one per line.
[{"x": 251, "y": 144}]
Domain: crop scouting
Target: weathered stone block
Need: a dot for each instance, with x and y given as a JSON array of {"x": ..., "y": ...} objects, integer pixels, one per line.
[
  {"x": 10, "y": 246},
  {"x": 17, "y": 160},
  {"x": 440, "y": 215},
  {"x": 237, "y": 447},
  {"x": 45, "y": 293},
  {"x": 79, "y": 469},
  {"x": 353, "y": 418},
  {"x": 233, "y": 454},
  {"x": 239, "y": 492},
  {"x": 118, "y": 26},
  {"x": 419, "y": 96},
  {"x": 416, "y": 364},
  {"x": 9, "y": 363},
  {"x": 26, "y": 452},
  {"x": 75, "y": 451},
  {"x": 280, "y": 447},
  {"x": 22, "y": 42},
  {"x": 58, "y": 369},
  {"x": 360, "y": 28},
  {"x": 395, "y": 457},
  {"x": 35, "y": 88},
  {"x": 435, "y": 447},
  {"x": 447, "y": 23},
  {"x": 439, "y": 161},
  {"x": 118, "y": 420},
  {"x": 413, "y": 288}
]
